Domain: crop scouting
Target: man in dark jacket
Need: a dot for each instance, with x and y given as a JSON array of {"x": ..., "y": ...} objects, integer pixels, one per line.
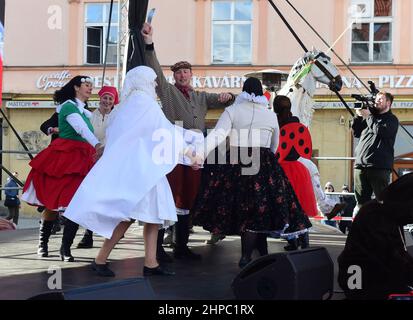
[{"x": 377, "y": 128}]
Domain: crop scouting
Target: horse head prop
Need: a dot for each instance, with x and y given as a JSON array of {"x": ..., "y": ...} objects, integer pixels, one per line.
[{"x": 301, "y": 83}]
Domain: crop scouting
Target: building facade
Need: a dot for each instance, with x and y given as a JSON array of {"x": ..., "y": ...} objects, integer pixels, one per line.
[{"x": 47, "y": 42}]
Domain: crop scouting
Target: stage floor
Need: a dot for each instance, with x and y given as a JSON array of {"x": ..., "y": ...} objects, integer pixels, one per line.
[{"x": 23, "y": 274}]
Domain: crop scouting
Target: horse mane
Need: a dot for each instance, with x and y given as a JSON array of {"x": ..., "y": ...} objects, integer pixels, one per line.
[
  {"x": 298, "y": 65},
  {"x": 300, "y": 93}
]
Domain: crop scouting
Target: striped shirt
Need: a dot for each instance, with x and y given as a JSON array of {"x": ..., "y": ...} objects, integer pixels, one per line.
[{"x": 174, "y": 104}]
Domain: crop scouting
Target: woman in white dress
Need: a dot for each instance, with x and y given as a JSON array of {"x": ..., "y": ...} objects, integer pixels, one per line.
[{"x": 144, "y": 146}]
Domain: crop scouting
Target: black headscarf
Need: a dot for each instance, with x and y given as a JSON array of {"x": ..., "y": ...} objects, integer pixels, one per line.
[{"x": 253, "y": 86}]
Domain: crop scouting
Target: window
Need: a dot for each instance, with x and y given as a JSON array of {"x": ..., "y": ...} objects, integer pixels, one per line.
[
  {"x": 371, "y": 39},
  {"x": 404, "y": 140},
  {"x": 96, "y": 28},
  {"x": 231, "y": 32},
  {"x": 403, "y": 150}
]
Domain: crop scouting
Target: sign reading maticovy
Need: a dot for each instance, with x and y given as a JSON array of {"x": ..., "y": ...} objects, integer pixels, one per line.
[{"x": 40, "y": 104}]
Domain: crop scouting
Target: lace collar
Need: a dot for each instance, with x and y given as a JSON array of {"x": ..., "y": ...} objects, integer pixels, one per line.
[
  {"x": 246, "y": 97},
  {"x": 80, "y": 106}
]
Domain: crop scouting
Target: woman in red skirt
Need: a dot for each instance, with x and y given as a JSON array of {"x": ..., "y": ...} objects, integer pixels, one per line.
[{"x": 59, "y": 169}]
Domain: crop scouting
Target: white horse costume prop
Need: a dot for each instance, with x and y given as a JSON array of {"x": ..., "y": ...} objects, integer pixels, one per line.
[{"x": 301, "y": 83}]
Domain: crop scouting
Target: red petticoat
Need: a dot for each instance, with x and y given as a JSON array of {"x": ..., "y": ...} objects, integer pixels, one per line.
[
  {"x": 300, "y": 180},
  {"x": 58, "y": 171}
]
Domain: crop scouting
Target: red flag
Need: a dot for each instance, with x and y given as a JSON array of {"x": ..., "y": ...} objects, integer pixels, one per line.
[{"x": 1, "y": 48}]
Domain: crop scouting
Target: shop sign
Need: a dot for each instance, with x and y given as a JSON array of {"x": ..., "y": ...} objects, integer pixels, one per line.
[
  {"x": 214, "y": 82},
  {"x": 57, "y": 80},
  {"x": 381, "y": 81},
  {"x": 40, "y": 104},
  {"x": 336, "y": 104}
]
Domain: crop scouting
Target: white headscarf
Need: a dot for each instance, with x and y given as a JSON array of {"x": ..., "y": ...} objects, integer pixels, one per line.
[{"x": 141, "y": 78}]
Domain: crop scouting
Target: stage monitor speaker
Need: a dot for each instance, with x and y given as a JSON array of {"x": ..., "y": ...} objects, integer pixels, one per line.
[
  {"x": 296, "y": 275},
  {"x": 408, "y": 236},
  {"x": 130, "y": 289}
]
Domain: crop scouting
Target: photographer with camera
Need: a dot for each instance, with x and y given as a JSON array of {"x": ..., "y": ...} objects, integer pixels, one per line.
[{"x": 376, "y": 126}]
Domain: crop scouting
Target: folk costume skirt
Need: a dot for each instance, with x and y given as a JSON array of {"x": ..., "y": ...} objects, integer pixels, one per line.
[
  {"x": 231, "y": 202},
  {"x": 184, "y": 182},
  {"x": 300, "y": 180},
  {"x": 57, "y": 172}
]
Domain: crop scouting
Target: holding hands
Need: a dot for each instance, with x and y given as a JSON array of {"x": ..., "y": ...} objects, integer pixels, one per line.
[
  {"x": 197, "y": 159},
  {"x": 99, "y": 151}
]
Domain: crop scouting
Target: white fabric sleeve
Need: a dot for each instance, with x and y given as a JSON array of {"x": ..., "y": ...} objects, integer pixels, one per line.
[
  {"x": 191, "y": 139},
  {"x": 219, "y": 133},
  {"x": 275, "y": 140},
  {"x": 79, "y": 125}
]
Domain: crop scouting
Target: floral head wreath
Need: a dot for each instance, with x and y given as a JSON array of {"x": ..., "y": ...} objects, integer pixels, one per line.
[{"x": 86, "y": 80}]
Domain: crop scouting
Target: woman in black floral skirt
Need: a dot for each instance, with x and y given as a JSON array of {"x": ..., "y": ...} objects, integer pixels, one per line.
[{"x": 249, "y": 195}]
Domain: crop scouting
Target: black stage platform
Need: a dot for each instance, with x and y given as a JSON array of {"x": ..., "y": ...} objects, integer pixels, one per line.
[{"x": 23, "y": 275}]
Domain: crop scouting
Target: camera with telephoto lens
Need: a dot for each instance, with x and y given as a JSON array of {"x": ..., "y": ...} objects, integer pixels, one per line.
[{"x": 366, "y": 101}]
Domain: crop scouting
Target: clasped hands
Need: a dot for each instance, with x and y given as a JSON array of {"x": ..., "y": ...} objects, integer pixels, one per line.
[
  {"x": 196, "y": 158},
  {"x": 99, "y": 148}
]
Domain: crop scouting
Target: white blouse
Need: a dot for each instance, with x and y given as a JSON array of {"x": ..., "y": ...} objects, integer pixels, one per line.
[
  {"x": 100, "y": 123},
  {"x": 79, "y": 125},
  {"x": 248, "y": 124}
]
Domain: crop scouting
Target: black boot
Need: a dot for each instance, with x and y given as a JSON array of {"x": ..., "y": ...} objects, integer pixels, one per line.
[
  {"x": 44, "y": 235},
  {"x": 87, "y": 240},
  {"x": 161, "y": 255},
  {"x": 181, "y": 250},
  {"x": 292, "y": 245},
  {"x": 56, "y": 226},
  {"x": 304, "y": 240},
  {"x": 248, "y": 243},
  {"x": 262, "y": 245},
  {"x": 69, "y": 233}
]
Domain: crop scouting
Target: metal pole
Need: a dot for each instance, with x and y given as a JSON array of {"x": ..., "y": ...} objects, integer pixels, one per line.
[
  {"x": 21, "y": 184},
  {"x": 107, "y": 42},
  {"x": 341, "y": 60},
  {"x": 17, "y": 135},
  {"x": 328, "y": 46},
  {"x": 305, "y": 49},
  {"x": 288, "y": 25}
]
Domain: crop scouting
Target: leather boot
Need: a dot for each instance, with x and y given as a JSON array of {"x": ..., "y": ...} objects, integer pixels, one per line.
[
  {"x": 246, "y": 251},
  {"x": 56, "y": 226},
  {"x": 181, "y": 250},
  {"x": 292, "y": 245},
  {"x": 161, "y": 255},
  {"x": 69, "y": 233},
  {"x": 87, "y": 240},
  {"x": 304, "y": 240},
  {"x": 262, "y": 245},
  {"x": 44, "y": 235}
]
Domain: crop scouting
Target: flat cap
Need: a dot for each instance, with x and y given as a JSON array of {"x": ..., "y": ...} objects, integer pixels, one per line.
[{"x": 181, "y": 65}]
